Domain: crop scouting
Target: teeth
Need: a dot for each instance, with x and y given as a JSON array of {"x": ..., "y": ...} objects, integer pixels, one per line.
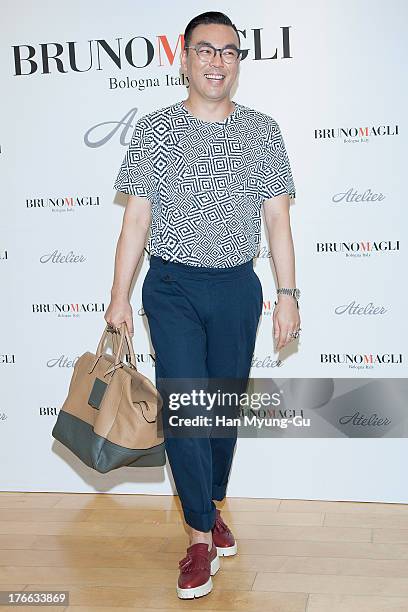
[{"x": 219, "y": 77}]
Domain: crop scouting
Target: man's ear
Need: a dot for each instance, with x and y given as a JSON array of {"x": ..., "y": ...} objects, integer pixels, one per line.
[{"x": 183, "y": 59}]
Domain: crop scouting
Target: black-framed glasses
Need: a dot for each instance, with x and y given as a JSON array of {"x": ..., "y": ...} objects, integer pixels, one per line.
[{"x": 206, "y": 52}]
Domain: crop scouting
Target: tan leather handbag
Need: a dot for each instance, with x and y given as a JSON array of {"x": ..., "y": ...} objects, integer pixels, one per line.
[{"x": 112, "y": 415}]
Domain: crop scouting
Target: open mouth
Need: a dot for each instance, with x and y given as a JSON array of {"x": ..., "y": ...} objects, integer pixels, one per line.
[{"x": 214, "y": 76}]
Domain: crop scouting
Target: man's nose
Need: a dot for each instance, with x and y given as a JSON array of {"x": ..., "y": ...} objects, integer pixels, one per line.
[{"x": 217, "y": 60}]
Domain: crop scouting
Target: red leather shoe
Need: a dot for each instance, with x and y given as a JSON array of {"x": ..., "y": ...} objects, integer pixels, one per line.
[
  {"x": 196, "y": 569},
  {"x": 223, "y": 538}
]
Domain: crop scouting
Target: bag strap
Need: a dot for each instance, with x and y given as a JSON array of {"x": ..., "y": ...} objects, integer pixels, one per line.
[
  {"x": 101, "y": 344},
  {"x": 124, "y": 335},
  {"x": 117, "y": 346}
]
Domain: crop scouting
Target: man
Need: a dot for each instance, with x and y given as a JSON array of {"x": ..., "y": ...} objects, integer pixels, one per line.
[{"x": 197, "y": 172}]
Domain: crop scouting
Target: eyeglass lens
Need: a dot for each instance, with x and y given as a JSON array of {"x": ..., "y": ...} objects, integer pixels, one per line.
[{"x": 207, "y": 53}]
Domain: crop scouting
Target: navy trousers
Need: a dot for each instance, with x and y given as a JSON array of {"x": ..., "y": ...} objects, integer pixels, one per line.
[{"x": 203, "y": 323}]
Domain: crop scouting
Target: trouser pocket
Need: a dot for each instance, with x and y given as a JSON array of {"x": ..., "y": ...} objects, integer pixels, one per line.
[{"x": 259, "y": 292}]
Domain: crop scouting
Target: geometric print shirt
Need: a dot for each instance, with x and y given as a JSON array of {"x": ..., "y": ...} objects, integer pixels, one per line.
[{"x": 206, "y": 182}]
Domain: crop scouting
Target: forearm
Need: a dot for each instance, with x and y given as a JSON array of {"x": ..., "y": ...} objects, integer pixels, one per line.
[
  {"x": 282, "y": 249},
  {"x": 130, "y": 246},
  {"x": 128, "y": 252},
  {"x": 286, "y": 319}
]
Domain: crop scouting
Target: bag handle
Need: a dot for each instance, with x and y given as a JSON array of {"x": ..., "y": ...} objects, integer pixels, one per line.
[
  {"x": 101, "y": 343},
  {"x": 115, "y": 341},
  {"x": 117, "y": 348},
  {"x": 124, "y": 335}
]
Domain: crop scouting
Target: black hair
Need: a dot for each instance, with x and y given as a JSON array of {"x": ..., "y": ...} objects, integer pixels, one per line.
[{"x": 207, "y": 18}]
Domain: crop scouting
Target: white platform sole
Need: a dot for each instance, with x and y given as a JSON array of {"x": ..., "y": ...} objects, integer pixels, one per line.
[
  {"x": 227, "y": 551},
  {"x": 203, "y": 589}
]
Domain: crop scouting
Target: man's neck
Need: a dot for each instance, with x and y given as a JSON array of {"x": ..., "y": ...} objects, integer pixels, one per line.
[{"x": 209, "y": 110}]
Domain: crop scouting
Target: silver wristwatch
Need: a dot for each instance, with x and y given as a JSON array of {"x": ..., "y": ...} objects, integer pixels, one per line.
[{"x": 295, "y": 293}]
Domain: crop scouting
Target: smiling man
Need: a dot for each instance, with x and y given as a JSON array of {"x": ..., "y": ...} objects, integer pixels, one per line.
[{"x": 197, "y": 173}]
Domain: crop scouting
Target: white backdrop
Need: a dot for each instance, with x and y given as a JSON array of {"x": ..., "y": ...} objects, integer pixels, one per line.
[{"x": 65, "y": 127}]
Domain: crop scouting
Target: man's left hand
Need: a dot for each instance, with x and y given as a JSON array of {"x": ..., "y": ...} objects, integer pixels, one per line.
[{"x": 286, "y": 319}]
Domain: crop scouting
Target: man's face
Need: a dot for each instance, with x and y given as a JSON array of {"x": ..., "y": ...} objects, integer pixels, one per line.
[{"x": 200, "y": 72}]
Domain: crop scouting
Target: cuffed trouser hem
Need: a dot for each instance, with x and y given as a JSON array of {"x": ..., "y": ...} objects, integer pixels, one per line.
[
  {"x": 218, "y": 492},
  {"x": 201, "y": 522}
]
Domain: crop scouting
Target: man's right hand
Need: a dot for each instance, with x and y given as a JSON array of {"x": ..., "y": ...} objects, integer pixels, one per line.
[{"x": 120, "y": 311}]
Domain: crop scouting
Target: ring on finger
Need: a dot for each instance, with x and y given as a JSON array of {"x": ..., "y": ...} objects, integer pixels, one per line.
[{"x": 295, "y": 334}]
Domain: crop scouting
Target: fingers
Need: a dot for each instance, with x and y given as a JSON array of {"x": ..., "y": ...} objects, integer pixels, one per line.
[
  {"x": 129, "y": 325},
  {"x": 283, "y": 337},
  {"x": 292, "y": 334},
  {"x": 276, "y": 330},
  {"x": 283, "y": 334},
  {"x": 112, "y": 326},
  {"x": 116, "y": 327},
  {"x": 286, "y": 325},
  {"x": 283, "y": 340}
]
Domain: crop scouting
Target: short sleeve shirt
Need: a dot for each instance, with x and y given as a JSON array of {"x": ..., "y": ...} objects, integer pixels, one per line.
[{"x": 206, "y": 181}]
